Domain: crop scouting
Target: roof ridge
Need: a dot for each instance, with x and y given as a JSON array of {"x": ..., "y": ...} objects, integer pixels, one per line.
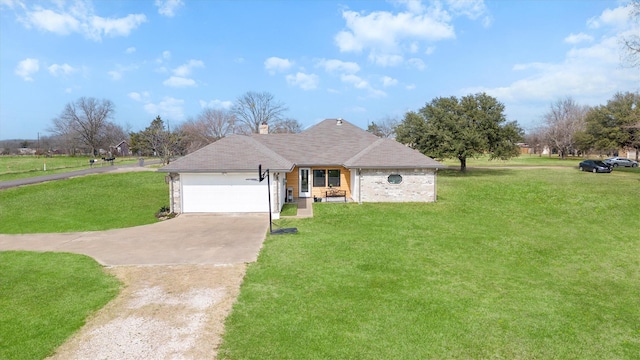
[
  {"x": 364, "y": 151},
  {"x": 270, "y": 152}
]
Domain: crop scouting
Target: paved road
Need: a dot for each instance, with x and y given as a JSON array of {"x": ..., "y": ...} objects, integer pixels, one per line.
[{"x": 66, "y": 175}]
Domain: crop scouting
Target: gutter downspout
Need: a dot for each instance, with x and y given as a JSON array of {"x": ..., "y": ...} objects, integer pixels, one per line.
[
  {"x": 360, "y": 186},
  {"x": 435, "y": 185}
]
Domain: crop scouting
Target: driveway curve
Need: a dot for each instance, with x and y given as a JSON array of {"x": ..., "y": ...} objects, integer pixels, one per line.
[
  {"x": 180, "y": 279},
  {"x": 206, "y": 239}
]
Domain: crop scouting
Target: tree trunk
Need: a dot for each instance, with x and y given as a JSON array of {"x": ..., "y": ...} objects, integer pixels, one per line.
[{"x": 463, "y": 164}]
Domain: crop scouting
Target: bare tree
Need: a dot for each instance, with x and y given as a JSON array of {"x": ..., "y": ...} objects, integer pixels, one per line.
[
  {"x": 537, "y": 140},
  {"x": 86, "y": 119},
  {"x": 210, "y": 125},
  {"x": 386, "y": 128},
  {"x": 564, "y": 119},
  {"x": 290, "y": 126},
  {"x": 253, "y": 109},
  {"x": 631, "y": 43}
]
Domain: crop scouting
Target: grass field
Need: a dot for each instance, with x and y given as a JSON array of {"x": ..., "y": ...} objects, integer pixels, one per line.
[
  {"x": 509, "y": 264},
  {"x": 19, "y": 167},
  {"x": 522, "y": 160},
  {"x": 45, "y": 298},
  {"x": 88, "y": 203}
]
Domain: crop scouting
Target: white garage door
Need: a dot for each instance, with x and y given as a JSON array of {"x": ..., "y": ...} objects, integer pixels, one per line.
[{"x": 223, "y": 193}]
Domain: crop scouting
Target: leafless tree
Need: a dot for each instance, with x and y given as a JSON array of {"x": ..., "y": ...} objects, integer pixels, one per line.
[
  {"x": 537, "y": 140},
  {"x": 385, "y": 128},
  {"x": 255, "y": 108},
  {"x": 291, "y": 126},
  {"x": 631, "y": 43},
  {"x": 85, "y": 120},
  {"x": 564, "y": 119},
  {"x": 210, "y": 125}
]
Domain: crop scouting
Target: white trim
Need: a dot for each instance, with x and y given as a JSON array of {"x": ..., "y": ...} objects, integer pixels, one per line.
[{"x": 309, "y": 183}]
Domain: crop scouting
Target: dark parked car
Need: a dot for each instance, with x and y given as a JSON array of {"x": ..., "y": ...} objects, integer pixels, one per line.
[
  {"x": 594, "y": 165},
  {"x": 620, "y": 161}
]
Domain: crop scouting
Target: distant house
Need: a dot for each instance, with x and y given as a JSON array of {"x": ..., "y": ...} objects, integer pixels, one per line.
[
  {"x": 122, "y": 149},
  {"x": 331, "y": 156},
  {"x": 26, "y": 151}
]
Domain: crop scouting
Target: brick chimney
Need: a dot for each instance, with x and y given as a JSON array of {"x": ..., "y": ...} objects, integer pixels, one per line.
[{"x": 264, "y": 128}]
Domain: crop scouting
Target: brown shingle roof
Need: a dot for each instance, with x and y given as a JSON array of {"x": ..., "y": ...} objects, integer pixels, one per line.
[
  {"x": 328, "y": 143},
  {"x": 232, "y": 153},
  {"x": 388, "y": 153}
]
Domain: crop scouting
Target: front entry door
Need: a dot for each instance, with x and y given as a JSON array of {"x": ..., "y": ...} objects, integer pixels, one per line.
[{"x": 305, "y": 190}]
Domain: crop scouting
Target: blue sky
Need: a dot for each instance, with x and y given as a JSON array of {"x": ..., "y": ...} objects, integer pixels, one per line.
[{"x": 363, "y": 61}]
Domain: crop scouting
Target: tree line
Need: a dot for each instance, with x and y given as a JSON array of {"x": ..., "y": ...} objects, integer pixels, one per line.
[
  {"x": 572, "y": 129},
  {"x": 86, "y": 126}
]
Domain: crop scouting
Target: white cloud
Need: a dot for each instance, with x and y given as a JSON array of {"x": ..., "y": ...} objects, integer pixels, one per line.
[
  {"x": 578, "y": 38},
  {"x": 9, "y": 3},
  {"x": 26, "y": 68},
  {"x": 64, "y": 69},
  {"x": 417, "y": 63},
  {"x": 590, "y": 75},
  {"x": 385, "y": 59},
  {"x": 388, "y": 35},
  {"x": 168, "y": 7},
  {"x": 276, "y": 64},
  {"x": 361, "y": 84},
  {"x": 590, "y": 71},
  {"x": 166, "y": 55},
  {"x": 473, "y": 9},
  {"x": 333, "y": 66},
  {"x": 116, "y": 74},
  {"x": 140, "y": 97},
  {"x": 618, "y": 17},
  {"x": 169, "y": 108},
  {"x": 216, "y": 104},
  {"x": 114, "y": 27},
  {"x": 130, "y": 50},
  {"x": 389, "y": 81},
  {"x": 79, "y": 17},
  {"x": 304, "y": 81},
  {"x": 384, "y": 30},
  {"x": 177, "y": 81},
  {"x": 185, "y": 69}
]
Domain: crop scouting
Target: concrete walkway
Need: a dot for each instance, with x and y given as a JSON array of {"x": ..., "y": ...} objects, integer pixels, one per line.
[
  {"x": 186, "y": 239},
  {"x": 305, "y": 208}
]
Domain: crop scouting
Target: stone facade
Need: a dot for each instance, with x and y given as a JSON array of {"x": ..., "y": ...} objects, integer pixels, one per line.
[
  {"x": 418, "y": 185},
  {"x": 174, "y": 193}
]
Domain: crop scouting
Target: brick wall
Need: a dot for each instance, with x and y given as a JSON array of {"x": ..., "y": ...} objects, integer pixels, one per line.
[{"x": 418, "y": 185}]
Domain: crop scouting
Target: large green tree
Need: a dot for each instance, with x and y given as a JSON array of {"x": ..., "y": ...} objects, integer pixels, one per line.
[
  {"x": 461, "y": 128},
  {"x": 614, "y": 126}
]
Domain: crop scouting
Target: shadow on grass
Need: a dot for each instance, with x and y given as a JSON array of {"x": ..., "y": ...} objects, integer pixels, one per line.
[{"x": 472, "y": 172}]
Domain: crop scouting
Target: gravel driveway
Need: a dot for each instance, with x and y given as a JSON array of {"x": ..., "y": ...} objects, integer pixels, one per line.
[
  {"x": 163, "y": 312},
  {"x": 180, "y": 278}
]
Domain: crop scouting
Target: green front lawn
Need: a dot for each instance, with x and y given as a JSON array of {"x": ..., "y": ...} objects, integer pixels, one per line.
[
  {"x": 509, "y": 263},
  {"x": 88, "y": 203},
  {"x": 45, "y": 298}
]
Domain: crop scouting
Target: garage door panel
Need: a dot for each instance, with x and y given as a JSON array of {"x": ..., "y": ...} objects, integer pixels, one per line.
[{"x": 223, "y": 193}]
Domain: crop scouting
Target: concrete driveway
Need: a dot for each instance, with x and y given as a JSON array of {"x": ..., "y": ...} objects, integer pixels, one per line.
[{"x": 187, "y": 239}]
